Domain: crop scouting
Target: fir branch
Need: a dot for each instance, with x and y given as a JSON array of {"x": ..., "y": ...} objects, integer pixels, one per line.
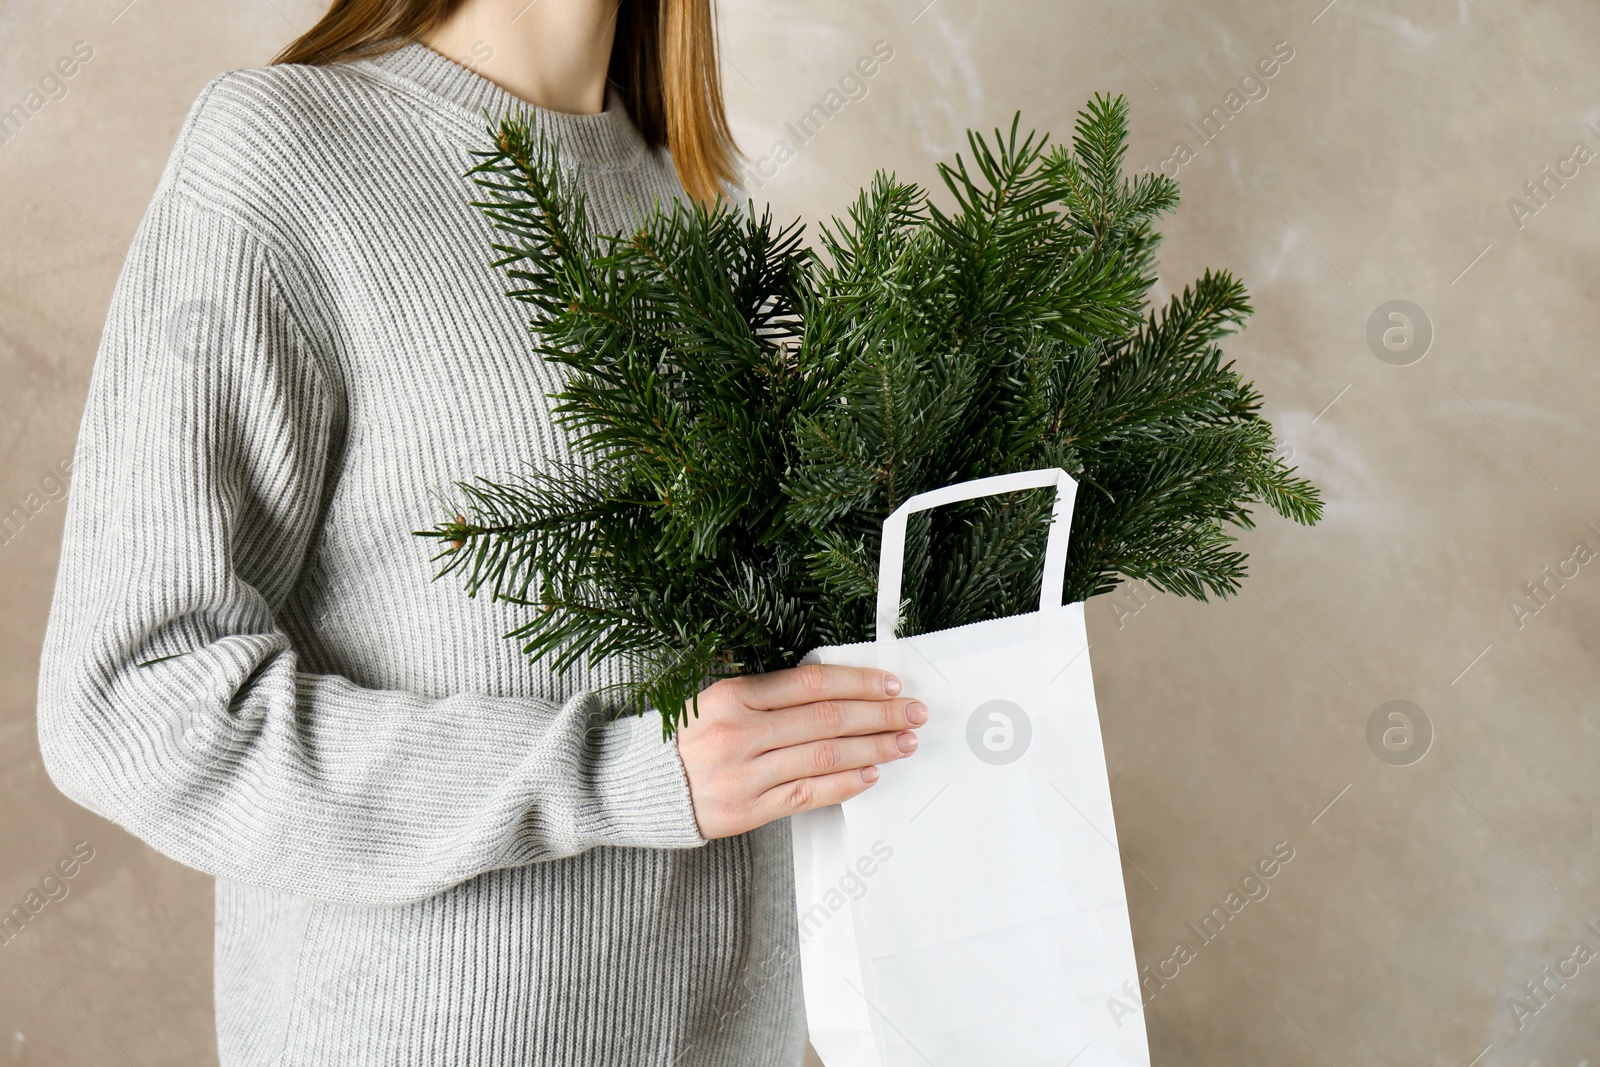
[{"x": 744, "y": 411}]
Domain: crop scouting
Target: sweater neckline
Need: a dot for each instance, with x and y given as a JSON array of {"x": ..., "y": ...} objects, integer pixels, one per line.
[{"x": 607, "y": 140}]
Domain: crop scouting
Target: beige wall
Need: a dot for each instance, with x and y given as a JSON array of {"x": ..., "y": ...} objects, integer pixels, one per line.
[{"x": 1377, "y": 168}]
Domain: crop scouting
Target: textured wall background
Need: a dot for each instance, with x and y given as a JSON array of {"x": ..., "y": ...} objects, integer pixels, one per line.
[{"x": 1376, "y": 165}]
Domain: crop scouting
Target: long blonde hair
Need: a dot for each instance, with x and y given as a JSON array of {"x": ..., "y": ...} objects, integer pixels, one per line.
[{"x": 663, "y": 65}]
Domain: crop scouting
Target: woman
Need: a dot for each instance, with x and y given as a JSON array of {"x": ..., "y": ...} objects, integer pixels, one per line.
[{"x": 427, "y": 851}]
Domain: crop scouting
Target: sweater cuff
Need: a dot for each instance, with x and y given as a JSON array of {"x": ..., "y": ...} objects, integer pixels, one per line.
[{"x": 645, "y": 786}]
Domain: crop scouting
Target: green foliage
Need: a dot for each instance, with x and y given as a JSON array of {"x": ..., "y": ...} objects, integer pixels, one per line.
[{"x": 744, "y": 411}]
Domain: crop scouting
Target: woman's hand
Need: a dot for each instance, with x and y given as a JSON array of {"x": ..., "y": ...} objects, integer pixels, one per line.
[{"x": 769, "y": 745}]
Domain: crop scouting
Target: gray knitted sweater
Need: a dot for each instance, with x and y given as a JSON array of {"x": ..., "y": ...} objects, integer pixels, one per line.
[{"x": 426, "y": 850}]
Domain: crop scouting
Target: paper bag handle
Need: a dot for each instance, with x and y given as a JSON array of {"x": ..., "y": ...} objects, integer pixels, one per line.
[{"x": 891, "y": 558}]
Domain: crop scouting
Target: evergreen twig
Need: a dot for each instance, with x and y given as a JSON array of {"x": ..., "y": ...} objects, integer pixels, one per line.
[{"x": 745, "y": 410}]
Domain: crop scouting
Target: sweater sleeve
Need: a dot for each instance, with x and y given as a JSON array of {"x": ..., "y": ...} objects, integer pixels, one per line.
[{"x": 170, "y": 700}]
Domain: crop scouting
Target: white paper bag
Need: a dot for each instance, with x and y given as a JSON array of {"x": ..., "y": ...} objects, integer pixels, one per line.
[{"x": 968, "y": 910}]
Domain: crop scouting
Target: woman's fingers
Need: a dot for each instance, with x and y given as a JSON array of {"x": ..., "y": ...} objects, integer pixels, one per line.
[
  {"x": 818, "y": 791},
  {"x": 827, "y": 756},
  {"x": 839, "y": 718},
  {"x": 768, "y": 745}
]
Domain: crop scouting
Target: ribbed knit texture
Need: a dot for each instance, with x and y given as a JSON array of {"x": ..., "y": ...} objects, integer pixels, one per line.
[{"x": 427, "y": 850}]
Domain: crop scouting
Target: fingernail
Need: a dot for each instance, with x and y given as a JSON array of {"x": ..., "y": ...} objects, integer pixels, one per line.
[
  {"x": 869, "y": 774},
  {"x": 907, "y": 742},
  {"x": 917, "y": 712},
  {"x": 891, "y": 684}
]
